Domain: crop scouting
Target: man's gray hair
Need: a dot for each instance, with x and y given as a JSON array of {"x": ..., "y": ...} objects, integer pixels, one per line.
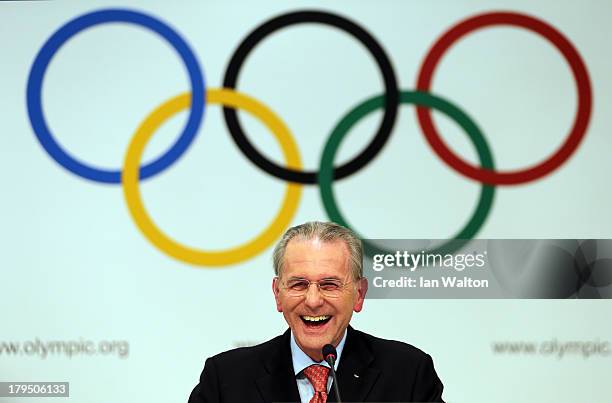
[{"x": 325, "y": 232}]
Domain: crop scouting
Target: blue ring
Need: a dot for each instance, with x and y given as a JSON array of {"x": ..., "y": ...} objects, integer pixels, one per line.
[{"x": 68, "y": 30}]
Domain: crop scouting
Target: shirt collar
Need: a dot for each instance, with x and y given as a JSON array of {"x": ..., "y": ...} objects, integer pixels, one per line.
[{"x": 301, "y": 361}]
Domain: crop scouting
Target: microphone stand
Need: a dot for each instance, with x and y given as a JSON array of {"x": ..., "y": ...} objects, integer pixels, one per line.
[
  {"x": 330, "y": 355},
  {"x": 332, "y": 361}
]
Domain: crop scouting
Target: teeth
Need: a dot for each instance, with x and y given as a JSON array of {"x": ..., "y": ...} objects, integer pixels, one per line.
[{"x": 315, "y": 318}]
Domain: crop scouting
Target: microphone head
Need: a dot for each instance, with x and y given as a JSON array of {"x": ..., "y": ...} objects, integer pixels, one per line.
[{"x": 329, "y": 350}]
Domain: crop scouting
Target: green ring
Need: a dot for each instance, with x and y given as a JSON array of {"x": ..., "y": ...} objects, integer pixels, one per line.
[{"x": 487, "y": 192}]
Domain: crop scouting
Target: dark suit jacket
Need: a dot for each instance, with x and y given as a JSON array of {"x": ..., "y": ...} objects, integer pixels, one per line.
[{"x": 371, "y": 369}]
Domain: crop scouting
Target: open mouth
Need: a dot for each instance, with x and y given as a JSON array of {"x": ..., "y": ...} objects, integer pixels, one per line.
[{"x": 315, "y": 321}]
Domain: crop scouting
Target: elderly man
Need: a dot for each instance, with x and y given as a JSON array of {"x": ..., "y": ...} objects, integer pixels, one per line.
[{"x": 319, "y": 283}]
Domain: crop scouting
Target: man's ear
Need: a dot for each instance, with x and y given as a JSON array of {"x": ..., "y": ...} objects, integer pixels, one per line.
[
  {"x": 362, "y": 289},
  {"x": 276, "y": 291}
]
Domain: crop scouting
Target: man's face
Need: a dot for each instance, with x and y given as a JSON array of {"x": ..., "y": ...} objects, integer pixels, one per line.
[{"x": 315, "y": 319}]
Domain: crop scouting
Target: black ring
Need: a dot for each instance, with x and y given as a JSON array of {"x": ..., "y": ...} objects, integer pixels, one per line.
[{"x": 391, "y": 94}]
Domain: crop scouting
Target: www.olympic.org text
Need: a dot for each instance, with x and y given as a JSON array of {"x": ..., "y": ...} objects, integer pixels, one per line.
[
  {"x": 65, "y": 348},
  {"x": 554, "y": 348}
]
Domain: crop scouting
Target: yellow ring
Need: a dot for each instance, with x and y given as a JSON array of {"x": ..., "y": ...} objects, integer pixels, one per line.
[{"x": 130, "y": 180}]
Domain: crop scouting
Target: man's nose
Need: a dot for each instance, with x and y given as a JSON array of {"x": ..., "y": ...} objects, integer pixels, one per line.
[{"x": 314, "y": 299}]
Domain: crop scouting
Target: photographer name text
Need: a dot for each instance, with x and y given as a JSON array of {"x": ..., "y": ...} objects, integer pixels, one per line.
[{"x": 421, "y": 282}]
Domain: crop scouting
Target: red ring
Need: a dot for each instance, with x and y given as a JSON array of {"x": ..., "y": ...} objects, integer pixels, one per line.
[{"x": 579, "y": 71}]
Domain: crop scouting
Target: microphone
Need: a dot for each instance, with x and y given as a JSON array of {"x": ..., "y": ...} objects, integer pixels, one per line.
[{"x": 330, "y": 356}]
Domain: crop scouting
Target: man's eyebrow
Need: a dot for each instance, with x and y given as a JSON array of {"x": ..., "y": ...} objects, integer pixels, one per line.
[{"x": 324, "y": 278}]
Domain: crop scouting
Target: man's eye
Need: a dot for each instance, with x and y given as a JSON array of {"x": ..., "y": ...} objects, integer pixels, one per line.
[
  {"x": 329, "y": 286},
  {"x": 298, "y": 285}
]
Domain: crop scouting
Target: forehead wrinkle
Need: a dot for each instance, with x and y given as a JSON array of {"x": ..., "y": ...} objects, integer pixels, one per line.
[
  {"x": 311, "y": 267},
  {"x": 313, "y": 272}
]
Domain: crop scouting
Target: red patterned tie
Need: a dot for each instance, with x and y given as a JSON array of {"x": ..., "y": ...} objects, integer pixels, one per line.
[{"x": 317, "y": 375}]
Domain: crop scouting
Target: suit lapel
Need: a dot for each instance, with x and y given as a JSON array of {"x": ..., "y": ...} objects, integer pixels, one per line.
[
  {"x": 279, "y": 385},
  {"x": 355, "y": 375}
]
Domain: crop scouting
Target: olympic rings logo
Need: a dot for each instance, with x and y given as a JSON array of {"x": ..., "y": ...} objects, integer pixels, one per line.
[{"x": 231, "y": 99}]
